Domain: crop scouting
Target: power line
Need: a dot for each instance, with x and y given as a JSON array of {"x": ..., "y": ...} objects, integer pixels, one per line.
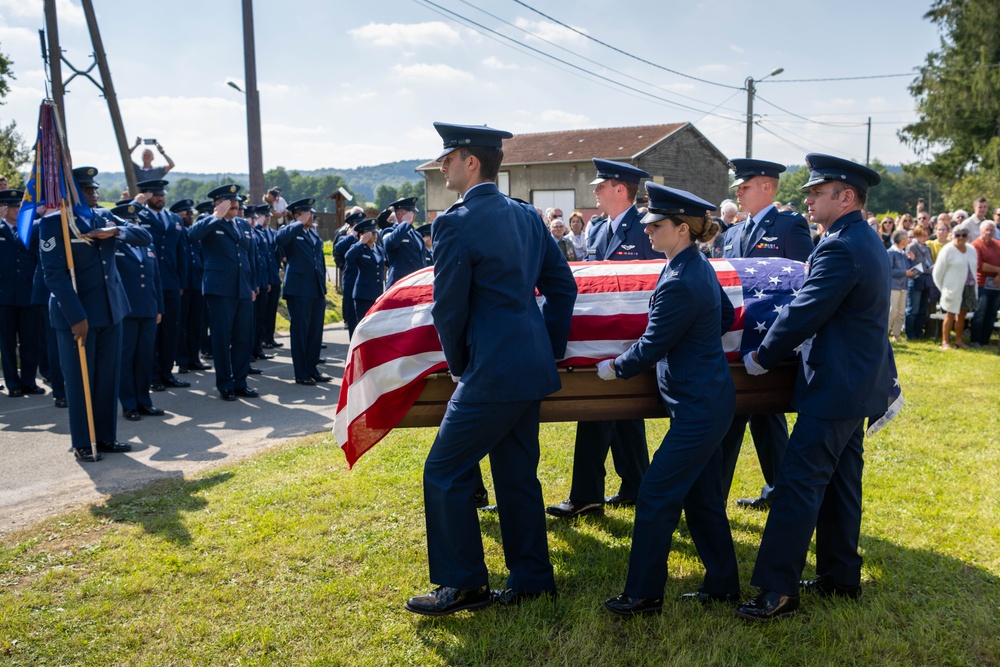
[
  {"x": 842, "y": 78},
  {"x": 625, "y": 53},
  {"x": 619, "y": 84},
  {"x": 811, "y": 120}
]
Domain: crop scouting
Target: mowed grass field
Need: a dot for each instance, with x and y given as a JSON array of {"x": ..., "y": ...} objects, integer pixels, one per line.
[{"x": 291, "y": 559}]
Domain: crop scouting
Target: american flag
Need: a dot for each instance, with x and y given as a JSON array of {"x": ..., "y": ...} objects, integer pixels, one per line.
[{"x": 396, "y": 345}]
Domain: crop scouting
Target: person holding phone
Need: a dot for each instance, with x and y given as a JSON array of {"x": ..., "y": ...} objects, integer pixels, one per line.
[{"x": 147, "y": 172}]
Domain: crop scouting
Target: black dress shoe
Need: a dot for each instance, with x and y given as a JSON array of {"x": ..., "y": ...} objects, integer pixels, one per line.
[
  {"x": 758, "y": 503},
  {"x": 322, "y": 345},
  {"x": 511, "y": 597},
  {"x": 618, "y": 500},
  {"x": 262, "y": 357},
  {"x": 247, "y": 392},
  {"x": 131, "y": 415},
  {"x": 85, "y": 454},
  {"x": 157, "y": 386},
  {"x": 198, "y": 366},
  {"x": 481, "y": 499},
  {"x": 277, "y": 344},
  {"x": 15, "y": 392},
  {"x": 228, "y": 395},
  {"x": 60, "y": 402},
  {"x": 183, "y": 370},
  {"x": 34, "y": 391},
  {"x": 178, "y": 384},
  {"x": 827, "y": 587},
  {"x": 708, "y": 598},
  {"x": 568, "y": 509},
  {"x": 267, "y": 346},
  {"x": 206, "y": 355},
  {"x": 768, "y": 605},
  {"x": 445, "y": 600},
  {"x": 323, "y": 360},
  {"x": 254, "y": 371},
  {"x": 626, "y": 605},
  {"x": 306, "y": 381},
  {"x": 322, "y": 378},
  {"x": 113, "y": 446},
  {"x": 152, "y": 411}
]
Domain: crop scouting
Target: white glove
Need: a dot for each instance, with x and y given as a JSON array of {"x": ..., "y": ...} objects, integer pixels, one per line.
[
  {"x": 455, "y": 378},
  {"x": 606, "y": 370},
  {"x": 753, "y": 368}
]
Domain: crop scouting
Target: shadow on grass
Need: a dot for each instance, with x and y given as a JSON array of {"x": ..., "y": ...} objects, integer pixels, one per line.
[{"x": 160, "y": 507}]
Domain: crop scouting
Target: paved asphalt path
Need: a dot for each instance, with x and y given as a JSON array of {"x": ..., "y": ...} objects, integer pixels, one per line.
[{"x": 40, "y": 477}]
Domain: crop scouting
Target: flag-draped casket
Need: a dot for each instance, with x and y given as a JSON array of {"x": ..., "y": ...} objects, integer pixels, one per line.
[{"x": 396, "y": 373}]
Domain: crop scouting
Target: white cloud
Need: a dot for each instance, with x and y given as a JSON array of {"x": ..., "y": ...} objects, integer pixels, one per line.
[
  {"x": 433, "y": 33},
  {"x": 427, "y": 73},
  {"x": 66, "y": 11},
  {"x": 552, "y": 32},
  {"x": 495, "y": 63},
  {"x": 558, "y": 117}
]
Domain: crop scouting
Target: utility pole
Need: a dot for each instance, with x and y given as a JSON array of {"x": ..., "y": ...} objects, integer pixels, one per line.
[
  {"x": 868, "y": 152},
  {"x": 751, "y": 91},
  {"x": 55, "y": 58},
  {"x": 108, "y": 89},
  {"x": 254, "y": 147}
]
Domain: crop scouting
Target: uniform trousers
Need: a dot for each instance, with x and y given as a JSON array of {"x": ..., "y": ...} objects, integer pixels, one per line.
[
  {"x": 770, "y": 439},
  {"x": 166, "y": 337},
  {"x": 350, "y": 318},
  {"x": 626, "y": 438},
  {"x": 231, "y": 321},
  {"x": 138, "y": 341},
  {"x": 686, "y": 473},
  {"x": 818, "y": 487},
  {"x": 191, "y": 325},
  {"x": 271, "y": 312},
  {"x": 508, "y": 433},
  {"x": 19, "y": 333},
  {"x": 103, "y": 351},
  {"x": 305, "y": 316},
  {"x": 52, "y": 348}
]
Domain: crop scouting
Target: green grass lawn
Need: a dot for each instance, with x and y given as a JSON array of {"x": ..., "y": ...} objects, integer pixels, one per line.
[{"x": 290, "y": 559}]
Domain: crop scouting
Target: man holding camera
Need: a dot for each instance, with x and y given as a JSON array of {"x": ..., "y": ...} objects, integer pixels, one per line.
[{"x": 147, "y": 172}]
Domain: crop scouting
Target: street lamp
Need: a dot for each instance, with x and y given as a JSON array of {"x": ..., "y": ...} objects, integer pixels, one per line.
[
  {"x": 750, "y": 94},
  {"x": 234, "y": 85}
]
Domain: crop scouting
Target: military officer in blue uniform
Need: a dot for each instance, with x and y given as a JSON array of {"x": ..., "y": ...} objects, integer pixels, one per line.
[
  {"x": 428, "y": 236},
  {"x": 229, "y": 287},
  {"x": 366, "y": 258},
  {"x": 40, "y": 297},
  {"x": 304, "y": 290},
  {"x": 619, "y": 237},
  {"x": 688, "y": 313},
  {"x": 839, "y": 319},
  {"x": 349, "y": 275},
  {"x": 272, "y": 296},
  {"x": 170, "y": 246},
  {"x": 91, "y": 313},
  {"x": 265, "y": 258},
  {"x": 502, "y": 350},
  {"x": 767, "y": 232},
  {"x": 404, "y": 246},
  {"x": 20, "y": 320},
  {"x": 140, "y": 276}
]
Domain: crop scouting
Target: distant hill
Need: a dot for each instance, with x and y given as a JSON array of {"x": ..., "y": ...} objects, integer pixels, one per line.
[{"x": 362, "y": 180}]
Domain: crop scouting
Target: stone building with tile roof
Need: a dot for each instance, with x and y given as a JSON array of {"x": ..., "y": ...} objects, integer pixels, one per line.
[{"x": 555, "y": 168}]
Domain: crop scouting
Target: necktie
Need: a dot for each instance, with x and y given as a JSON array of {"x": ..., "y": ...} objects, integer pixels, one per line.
[
  {"x": 747, "y": 231},
  {"x": 163, "y": 220}
]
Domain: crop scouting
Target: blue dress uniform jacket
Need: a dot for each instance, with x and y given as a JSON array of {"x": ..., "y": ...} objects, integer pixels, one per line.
[
  {"x": 40, "y": 297},
  {"x": 629, "y": 242},
  {"x": 141, "y": 279},
  {"x": 19, "y": 318},
  {"x": 100, "y": 300},
  {"x": 170, "y": 243},
  {"x": 370, "y": 266},
  {"x": 404, "y": 250},
  {"x": 778, "y": 234},
  {"x": 305, "y": 270},
  {"x": 504, "y": 348},
  {"x": 840, "y": 318},
  {"x": 687, "y": 313},
  {"x": 228, "y": 251},
  {"x": 347, "y": 280}
]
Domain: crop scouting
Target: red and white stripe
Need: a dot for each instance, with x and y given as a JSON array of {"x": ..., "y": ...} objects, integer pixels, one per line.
[{"x": 396, "y": 345}]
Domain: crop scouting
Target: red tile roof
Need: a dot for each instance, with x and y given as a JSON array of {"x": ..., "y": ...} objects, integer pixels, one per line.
[{"x": 611, "y": 143}]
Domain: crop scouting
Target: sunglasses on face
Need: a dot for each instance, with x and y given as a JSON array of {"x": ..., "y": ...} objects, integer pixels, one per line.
[{"x": 960, "y": 235}]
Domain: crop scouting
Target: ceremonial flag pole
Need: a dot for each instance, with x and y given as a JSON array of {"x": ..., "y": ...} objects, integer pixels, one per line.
[{"x": 51, "y": 185}]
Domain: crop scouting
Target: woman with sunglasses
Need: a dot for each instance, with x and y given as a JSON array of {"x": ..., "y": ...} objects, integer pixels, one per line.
[{"x": 955, "y": 275}]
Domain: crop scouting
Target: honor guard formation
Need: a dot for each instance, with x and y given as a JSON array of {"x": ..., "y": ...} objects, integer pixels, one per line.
[{"x": 158, "y": 289}]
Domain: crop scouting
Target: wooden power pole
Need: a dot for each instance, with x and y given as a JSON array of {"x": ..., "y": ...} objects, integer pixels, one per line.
[{"x": 254, "y": 148}]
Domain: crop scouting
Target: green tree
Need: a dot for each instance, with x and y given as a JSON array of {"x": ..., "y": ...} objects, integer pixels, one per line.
[
  {"x": 14, "y": 153},
  {"x": 384, "y": 195},
  {"x": 788, "y": 188},
  {"x": 958, "y": 91}
]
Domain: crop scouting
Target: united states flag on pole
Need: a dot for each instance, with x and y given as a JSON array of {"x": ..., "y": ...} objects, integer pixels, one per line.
[{"x": 396, "y": 345}]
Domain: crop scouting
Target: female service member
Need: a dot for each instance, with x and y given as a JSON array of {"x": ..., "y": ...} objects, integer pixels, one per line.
[{"x": 688, "y": 313}]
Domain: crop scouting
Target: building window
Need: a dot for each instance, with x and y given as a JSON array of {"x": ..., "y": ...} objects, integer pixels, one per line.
[
  {"x": 564, "y": 200},
  {"x": 503, "y": 182}
]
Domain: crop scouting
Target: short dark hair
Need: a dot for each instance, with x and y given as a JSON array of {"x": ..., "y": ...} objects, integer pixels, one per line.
[
  {"x": 631, "y": 189},
  {"x": 490, "y": 159},
  {"x": 860, "y": 196}
]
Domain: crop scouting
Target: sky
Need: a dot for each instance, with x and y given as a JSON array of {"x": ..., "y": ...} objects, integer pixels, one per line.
[{"x": 345, "y": 84}]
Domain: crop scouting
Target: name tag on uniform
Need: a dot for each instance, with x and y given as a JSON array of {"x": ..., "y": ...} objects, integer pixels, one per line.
[
  {"x": 3, "y": 238},
  {"x": 144, "y": 225},
  {"x": 301, "y": 238},
  {"x": 406, "y": 240},
  {"x": 727, "y": 247},
  {"x": 119, "y": 254}
]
